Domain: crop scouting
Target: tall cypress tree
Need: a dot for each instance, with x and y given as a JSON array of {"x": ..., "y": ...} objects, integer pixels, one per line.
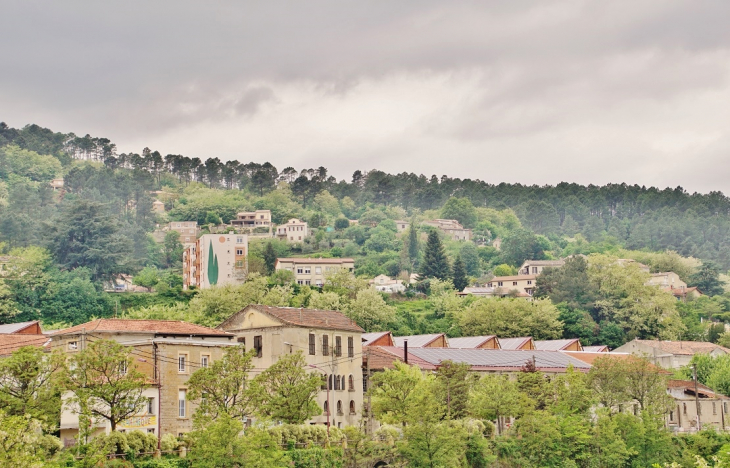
[
  {"x": 435, "y": 264},
  {"x": 413, "y": 243},
  {"x": 459, "y": 274},
  {"x": 270, "y": 258}
]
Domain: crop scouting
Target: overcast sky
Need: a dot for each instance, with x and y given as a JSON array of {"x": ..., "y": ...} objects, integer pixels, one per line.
[{"x": 511, "y": 91}]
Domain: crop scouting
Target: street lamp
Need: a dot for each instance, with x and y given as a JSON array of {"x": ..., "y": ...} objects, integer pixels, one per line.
[{"x": 327, "y": 384}]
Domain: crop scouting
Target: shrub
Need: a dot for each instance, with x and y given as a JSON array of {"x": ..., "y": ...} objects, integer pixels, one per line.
[
  {"x": 141, "y": 443},
  {"x": 169, "y": 443}
]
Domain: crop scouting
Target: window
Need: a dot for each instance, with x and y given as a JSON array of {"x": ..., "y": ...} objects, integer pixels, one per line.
[
  {"x": 329, "y": 383},
  {"x": 318, "y": 270},
  {"x": 239, "y": 251},
  {"x": 499, "y": 283},
  {"x": 350, "y": 347},
  {"x": 724, "y": 407},
  {"x": 204, "y": 360},
  {"x": 312, "y": 346},
  {"x": 307, "y": 270},
  {"x": 338, "y": 346},
  {"x": 684, "y": 408},
  {"x": 342, "y": 382},
  {"x": 534, "y": 269},
  {"x": 337, "y": 382},
  {"x": 339, "y": 407},
  {"x": 300, "y": 270},
  {"x": 307, "y": 282},
  {"x": 326, "y": 407},
  {"x": 529, "y": 281},
  {"x": 351, "y": 387},
  {"x": 239, "y": 240},
  {"x": 489, "y": 285},
  {"x": 151, "y": 431},
  {"x": 671, "y": 416},
  {"x": 73, "y": 345},
  {"x": 714, "y": 408},
  {"x": 258, "y": 345},
  {"x": 324, "y": 382},
  {"x": 352, "y": 406},
  {"x": 150, "y": 406},
  {"x": 300, "y": 282},
  {"x": 514, "y": 283},
  {"x": 181, "y": 363},
  {"x": 181, "y": 403},
  {"x": 325, "y": 345}
]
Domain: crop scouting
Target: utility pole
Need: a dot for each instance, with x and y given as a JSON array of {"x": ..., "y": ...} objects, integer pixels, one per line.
[{"x": 697, "y": 397}]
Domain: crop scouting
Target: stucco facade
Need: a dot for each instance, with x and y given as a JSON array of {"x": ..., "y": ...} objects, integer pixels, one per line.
[
  {"x": 330, "y": 342},
  {"x": 215, "y": 259},
  {"x": 312, "y": 271},
  {"x": 293, "y": 231}
]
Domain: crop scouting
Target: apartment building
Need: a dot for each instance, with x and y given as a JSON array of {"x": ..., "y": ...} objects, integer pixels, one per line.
[
  {"x": 188, "y": 230},
  {"x": 331, "y": 344},
  {"x": 293, "y": 231},
  {"x": 452, "y": 228},
  {"x": 252, "y": 219},
  {"x": 312, "y": 271},
  {"x": 215, "y": 259},
  {"x": 535, "y": 267},
  {"x": 166, "y": 351}
]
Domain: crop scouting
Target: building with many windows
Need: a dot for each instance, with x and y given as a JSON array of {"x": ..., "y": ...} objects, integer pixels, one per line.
[
  {"x": 166, "y": 351},
  {"x": 215, "y": 259},
  {"x": 330, "y": 341},
  {"x": 312, "y": 271},
  {"x": 521, "y": 285},
  {"x": 252, "y": 219},
  {"x": 293, "y": 231},
  {"x": 188, "y": 230}
]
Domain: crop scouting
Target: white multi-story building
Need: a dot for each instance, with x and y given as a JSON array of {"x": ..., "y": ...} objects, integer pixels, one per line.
[
  {"x": 293, "y": 231},
  {"x": 215, "y": 259}
]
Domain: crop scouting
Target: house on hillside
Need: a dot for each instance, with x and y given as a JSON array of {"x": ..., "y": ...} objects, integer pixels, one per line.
[
  {"x": 666, "y": 280},
  {"x": 671, "y": 354},
  {"x": 477, "y": 291},
  {"x": 520, "y": 286},
  {"x": 401, "y": 225},
  {"x": 386, "y": 284},
  {"x": 451, "y": 228},
  {"x": 293, "y": 231},
  {"x": 312, "y": 271},
  {"x": 252, "y": 219},
  {"x": 713, "y": 411},
  {"x": 330, "y": 341},
  {"x": 535, "y": 267},
  {"x": 167, "y": 352}
]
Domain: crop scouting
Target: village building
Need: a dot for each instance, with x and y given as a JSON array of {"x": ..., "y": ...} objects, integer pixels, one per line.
[
  {"x": 475, "y": 342},
  {"x": 520, "y": 286},
  {"x": 32, "y": 327},
  {"x": 167, "y": 352},
  {"x": 401, "y": 225},
  {"x": 477, "y": 291},
  {"x": 158, "y": 206},
  {"x": 123, "y": 283},
  {"x": 330, "y": 341},
  {"x": 293, "y": 231},
  {"x": 378, "y": 339},
  {"x": 215, "y": 259},
  {"x": 386, "y": 284},
  {"x": 252, "y": 219},
  {"x": 451, "y": 228},
  {"x": 670, "y": 354},
  {"x": 713, "y": 407},
  {"x": 666, "y": 280},
  {"x": 535, "y": 267},
  {"x": 188, "y": 230},
  {"x": 521, "y": 343},
  {"x": 312, "y": 271}
]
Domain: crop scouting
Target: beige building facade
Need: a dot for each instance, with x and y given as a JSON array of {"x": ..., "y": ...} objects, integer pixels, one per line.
[
  {"x": 167, "y": 352},
  {"x": 252, "y": 219},
  {"x": 522, "y": 285},
  {"x": 188, "y": 230},
  {"x": 215, "y": 259},
  {"x": 670, "y": 354},
  {"x": 452, "y": 228},
  {"x": 683, "y": 417},
  {"x": 293, "y": 231},
  {"x": 312, "y": 271},
  {"x": 535, "y": 267},
  {"x": 330, "y": 342}
]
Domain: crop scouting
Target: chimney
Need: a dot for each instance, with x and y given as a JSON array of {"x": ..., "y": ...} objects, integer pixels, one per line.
[{"x": 405, "y": 350}]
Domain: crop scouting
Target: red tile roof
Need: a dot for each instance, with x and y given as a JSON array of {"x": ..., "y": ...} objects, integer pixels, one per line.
[
  {"x": 309, "y": 318},
  {"x": 10, "y": 343},
  {"x": 158, "y": 327}
]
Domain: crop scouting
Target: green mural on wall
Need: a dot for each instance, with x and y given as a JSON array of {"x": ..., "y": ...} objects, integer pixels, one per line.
[{"x": 212, "y": 266}]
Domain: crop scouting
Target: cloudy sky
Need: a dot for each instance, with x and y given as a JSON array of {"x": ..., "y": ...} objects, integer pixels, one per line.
[{"x": 534, "y": 92}]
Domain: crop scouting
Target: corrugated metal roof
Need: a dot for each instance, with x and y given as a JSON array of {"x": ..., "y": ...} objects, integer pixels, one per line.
[
  {"x": 469, "y": 342},
  {"x": 554, "y": 345},
  {"x": 499, "y": 358},
  {"x": 596, "y": 349},
  {"x": 368, "y": 338},
  {"x": 513, "y": 343},
  {"x": 14, "y": 327},
  {"x": 416, "y": 341}
]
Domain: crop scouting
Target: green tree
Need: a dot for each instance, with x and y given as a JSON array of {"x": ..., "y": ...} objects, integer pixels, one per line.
[
  {"x": 435, "y": 264},
  {"x": 495, "y": 397},
  {"x": 521, "y": 245},
  {"x": 29, "y": 383},
  {"x": 707, "y": 279},
  {"x": 172, "y": 249},
  {"x": 86, "y": 236},
  {"x": 390, "y": 390},
  {"x": 470, "y": 255},
  {"x": 342, "y": 223},
  {"x": 148, "y": 278},
  {"x": 270, "y": 257},
  {"x": 286, "y": 391},
  {"x": 504, "y": 270},
  {"x": 105, "y": 381},
  {"x": 370, "y": 311},
  {"x": 459, "y": 275},
  {"x": 451, "y": 387},
  {"x": 460, "y": 209},
  {"x": 21, "y": 442},
  {"x": 413, "y": 247},
  {"x": 510, "y": 318},
  {"x": 223, "y": 388}
]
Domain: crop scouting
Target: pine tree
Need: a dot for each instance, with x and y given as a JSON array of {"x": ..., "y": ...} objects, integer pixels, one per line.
[
  {"x": 270, "y": 258},
  {"x": 435, "y": 264},
  {"x": 459, "y": 275}
]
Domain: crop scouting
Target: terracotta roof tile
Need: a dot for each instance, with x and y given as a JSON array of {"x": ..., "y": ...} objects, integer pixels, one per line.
[
  {"x": 158, "y": 327},
  {"x": 10, "y": 343},
  {"x": 311, "y": 318}
]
